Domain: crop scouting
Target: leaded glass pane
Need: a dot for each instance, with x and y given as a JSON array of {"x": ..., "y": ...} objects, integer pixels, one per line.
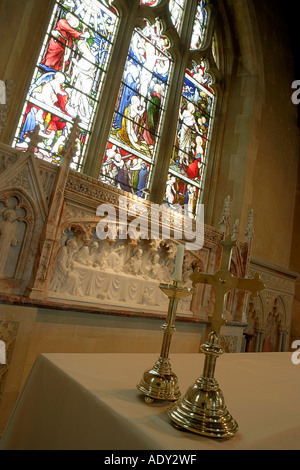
[
  {"x": 176, "y": 8},
  {"x": 68, "y": 78},
  {"x": 189, "y": 158},
  {"x": 135, "y": 128},
  {"x": 200, "y": 25}
]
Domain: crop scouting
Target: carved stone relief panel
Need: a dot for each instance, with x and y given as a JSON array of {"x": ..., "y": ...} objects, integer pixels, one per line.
[{"x": 115, "y": 273}]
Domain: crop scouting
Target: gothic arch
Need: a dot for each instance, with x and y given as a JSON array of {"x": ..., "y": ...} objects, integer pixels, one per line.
[{"x": 27, "y": 215}]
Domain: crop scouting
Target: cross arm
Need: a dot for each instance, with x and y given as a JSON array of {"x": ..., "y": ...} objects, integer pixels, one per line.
[
  {"x": 254, "y": 285},
  {"x": 201, "y": 278}
]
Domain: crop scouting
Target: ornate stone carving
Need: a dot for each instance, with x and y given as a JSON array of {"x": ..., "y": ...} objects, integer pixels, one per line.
[
  {"x": 7, "y": 160},
  {"x": 224, "y": 222},
  {"x": 229, "y": 343},
  {"x": 21, "y": 179},
  {"x": 117, "y": 272}
]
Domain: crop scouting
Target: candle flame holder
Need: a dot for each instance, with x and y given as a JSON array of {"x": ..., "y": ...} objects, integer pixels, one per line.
[{"x": 160, "y": 382}]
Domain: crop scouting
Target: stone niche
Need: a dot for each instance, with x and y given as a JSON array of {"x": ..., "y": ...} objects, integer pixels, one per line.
[{"x": 23, "y": 209}]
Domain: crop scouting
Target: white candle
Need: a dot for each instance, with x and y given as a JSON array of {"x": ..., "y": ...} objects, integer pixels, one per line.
[{"x": 179, "y": 263}]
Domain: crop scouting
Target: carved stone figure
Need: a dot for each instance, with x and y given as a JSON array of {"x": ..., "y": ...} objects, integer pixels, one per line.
[
  {"x": 86, "y": 254},
  {"x": 168, "y": 269},
  {"x": 7, "y": 237},
  {"x": 114, "y": 260},
  {"x": 65, "y": 278},
  {"x": 154, "y": 269},
  {"x": 135, "y": 263}
]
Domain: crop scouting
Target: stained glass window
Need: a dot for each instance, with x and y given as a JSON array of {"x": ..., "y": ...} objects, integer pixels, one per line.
[
  {"x": 135, "y": 128},
  {"x": 185, "y": 183},
  {"x": 200, "y": 25},
  {"x": 68, "y": 78},
  {"x": 69, "y": 81}
]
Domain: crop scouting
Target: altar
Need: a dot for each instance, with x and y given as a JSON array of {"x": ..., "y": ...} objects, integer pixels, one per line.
[{"x": 90, "y": 401}]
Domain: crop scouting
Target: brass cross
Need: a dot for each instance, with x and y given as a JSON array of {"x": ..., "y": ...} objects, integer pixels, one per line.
[{"x": 223, "y": 281}]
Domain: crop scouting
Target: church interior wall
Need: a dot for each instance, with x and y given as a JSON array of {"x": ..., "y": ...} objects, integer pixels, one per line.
[
  {"x": 259, "y": 161},
  {"x": 258, "y": 152},
  {"x": 275, "y": 171}
]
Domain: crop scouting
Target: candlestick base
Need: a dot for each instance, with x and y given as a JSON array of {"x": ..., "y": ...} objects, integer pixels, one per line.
[
  {"x": 202, "y": 410},
  {"x": 159, "y": 382}
]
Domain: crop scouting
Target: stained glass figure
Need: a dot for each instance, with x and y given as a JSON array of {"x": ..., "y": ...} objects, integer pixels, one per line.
[
  {"x": 68, "y": 78},
  {"x": 188, "y": 162},
  {"x": 136, "y": 123},
  {"x": 176, "y": 8},
  {"x": 200, "y": 25}
]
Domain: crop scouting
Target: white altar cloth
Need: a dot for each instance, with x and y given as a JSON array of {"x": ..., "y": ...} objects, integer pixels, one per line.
[{"x": 90, "y": 401}]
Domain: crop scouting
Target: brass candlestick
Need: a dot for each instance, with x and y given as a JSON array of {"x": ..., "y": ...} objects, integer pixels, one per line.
[
  {"x": 160, "y": 382},
  {"x": 202, "y": 410}
]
